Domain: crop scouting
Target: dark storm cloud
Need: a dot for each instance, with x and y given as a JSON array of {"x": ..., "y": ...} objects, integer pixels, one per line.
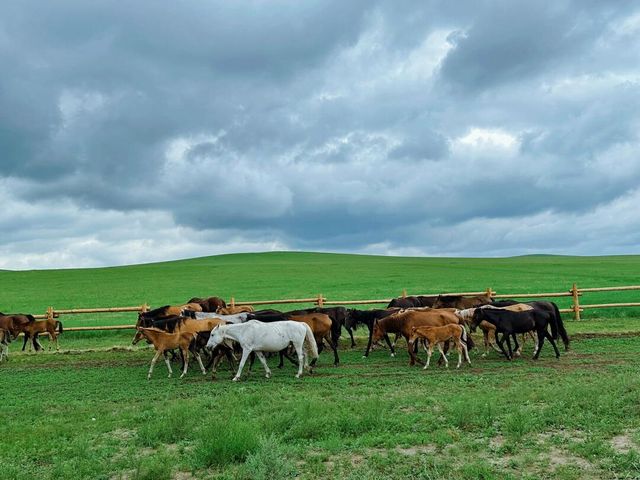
[{"x": 396, "y": 127}]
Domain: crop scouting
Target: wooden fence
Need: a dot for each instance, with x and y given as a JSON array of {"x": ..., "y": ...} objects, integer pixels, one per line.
[{"x": 574, "y": 292}]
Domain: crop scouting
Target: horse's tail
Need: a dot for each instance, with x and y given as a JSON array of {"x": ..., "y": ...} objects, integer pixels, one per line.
[
  {"x": 466, "y": 338},
  {"x": 310, "y": 344},
  {"x": 555, "y": 318},
  {"x": 31, "y": 318},
  {"x": 561, "y": 329},
  {"x": 59, "y": 325}
]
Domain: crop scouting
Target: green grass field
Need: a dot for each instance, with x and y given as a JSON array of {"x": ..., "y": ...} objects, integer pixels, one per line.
[{"x": 89, "y": 412}]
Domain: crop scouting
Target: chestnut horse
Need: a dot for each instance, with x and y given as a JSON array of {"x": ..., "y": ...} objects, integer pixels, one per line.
[
  {"x": 32, "y": 329},
  {"x": 14, "y": 323},
  {"x": 440, "y": 335},
  {"x": 163, "y": 341},
  {"x": 403, "y": 322}
]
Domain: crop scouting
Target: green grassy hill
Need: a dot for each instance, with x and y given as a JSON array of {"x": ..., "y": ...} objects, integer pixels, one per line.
[
  {"x": 291, "y": 274},
  {"x": 276, "y": 275}
]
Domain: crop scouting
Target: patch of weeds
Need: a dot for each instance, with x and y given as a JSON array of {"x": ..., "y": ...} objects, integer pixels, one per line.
[
  {"x": 177, "y": 423},
  {"x": 269, "y": 461},
  {"x": 221, "y": 442},
  {"x": 154, "y": 467}
]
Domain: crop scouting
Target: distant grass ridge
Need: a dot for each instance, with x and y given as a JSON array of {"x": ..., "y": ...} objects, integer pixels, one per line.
[{"x": 274, "y": 275}]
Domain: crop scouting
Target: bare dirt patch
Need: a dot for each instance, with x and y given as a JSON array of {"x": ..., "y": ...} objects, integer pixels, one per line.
[
  {"x": 415, "y": 450},
  {"x": 559, "y": 458},
  {"x": 623, "y": 443}
]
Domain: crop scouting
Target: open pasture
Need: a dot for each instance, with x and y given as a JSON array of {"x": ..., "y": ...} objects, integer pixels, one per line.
[{"x": 89, "y": 412}]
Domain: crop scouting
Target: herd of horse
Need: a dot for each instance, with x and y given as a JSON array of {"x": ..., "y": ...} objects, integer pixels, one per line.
[{"x": 208, "y": 328}]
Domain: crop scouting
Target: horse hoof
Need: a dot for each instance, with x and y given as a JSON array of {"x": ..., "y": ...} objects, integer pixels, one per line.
[
  {"x": 268, "y": 375},
  {"x": 298, "y": 376},
  {"x": 235, "y": 379}
]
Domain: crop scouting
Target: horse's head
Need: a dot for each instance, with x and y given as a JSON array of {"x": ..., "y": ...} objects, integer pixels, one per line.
[
  {"x": 138, "y": 336},
  {"x": 476, "y": 318},
  {"x": 216, "y": 338},
  {"x": 378, "y": 332},
  {"x": 438, "y": 302},
  {"x": 414, "y": 335}
]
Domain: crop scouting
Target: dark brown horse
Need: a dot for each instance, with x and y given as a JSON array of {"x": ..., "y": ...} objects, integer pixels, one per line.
[
  {"x": 460, "y": 302},
  {"x": 210, "y": 304},
  {"x": 15, "y": 322}
]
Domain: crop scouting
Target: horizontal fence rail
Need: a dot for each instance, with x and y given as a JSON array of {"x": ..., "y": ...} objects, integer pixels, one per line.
[{"x": 574, "y": 292}]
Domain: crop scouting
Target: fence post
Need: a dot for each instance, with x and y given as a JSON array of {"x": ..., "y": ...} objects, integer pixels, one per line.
[
  {"x": 576, "y": 301},
  {"x": 320, "y": 300},
  {"x": 404, "y": 293},
  {"x": 232, "y": 302},
  {"x": 490, "y": 292},
  {"x": 49, "y": 313},
  {"x": 144, "y": 308}
]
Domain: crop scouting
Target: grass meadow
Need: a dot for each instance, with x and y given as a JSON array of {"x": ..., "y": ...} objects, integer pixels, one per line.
[{"x": 89, "y": 412}]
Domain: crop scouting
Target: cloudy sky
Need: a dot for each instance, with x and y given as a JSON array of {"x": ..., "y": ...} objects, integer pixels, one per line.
[{"x": 140, "y": 131}]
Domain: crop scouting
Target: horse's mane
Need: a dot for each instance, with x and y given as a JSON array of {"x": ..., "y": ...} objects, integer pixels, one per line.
[{"x": 156, "y": 311}]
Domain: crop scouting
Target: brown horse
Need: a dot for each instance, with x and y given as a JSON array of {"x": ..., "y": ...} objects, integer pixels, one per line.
[
  {"x": 461, "y": 302},
  {"x": 210, "y": 304},
  {"x": 235, "y": 309},
  {"x": 5, "y": 340},
  {"x": 320, "y": 324},
  {"x": 163, "y": 341},
  {"x": 403, "y": 323},
  {"x": 32, "y": 329},
  {"x": 439, "y": 336},
  {"x": 14, "y": 323}
]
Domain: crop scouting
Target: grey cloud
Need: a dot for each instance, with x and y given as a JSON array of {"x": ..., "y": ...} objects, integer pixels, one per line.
[{"x": 318, "y": 125}]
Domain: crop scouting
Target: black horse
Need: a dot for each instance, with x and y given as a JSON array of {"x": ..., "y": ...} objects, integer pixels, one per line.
[
  {"x": 508, "y": 324},
  {"x": 549, "y": 307},
  {"x": 412, "y": 302},
  {"x": 368, "y": 318}
]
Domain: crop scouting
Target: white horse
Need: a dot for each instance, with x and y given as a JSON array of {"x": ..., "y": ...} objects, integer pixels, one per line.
[
  {"x": 235, "y": 318},
  {"x": 259, "y": 337}
]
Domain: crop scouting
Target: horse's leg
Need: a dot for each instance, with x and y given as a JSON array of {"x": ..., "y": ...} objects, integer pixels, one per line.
[
  {"x": 368, "y": 349},
  {"x": 300, "y": 351},
  {"x": 509, "y": 346},
  {"x": 443, "y": 354},
  {"x": 197, "y": 355},
  {"x": 516, "y": 350},
  {"x": 500, "y": 342},
  {"x": 336, "y": 359},
  {"x": 485, "y": 339},
  {"x": 185, "y": 354},
  {"x": 553, "y": 343},
  {"x": 386, "y": 339},
  {"x": 350, "y": 332},
  {"x": 466, "y": 353},
  {"x": 541, "y": 333},
  {"x": 36, "y": 343},
  {"x": 153, "y": 362},
  {"x": 429, "y": 349},
  {"x": 281, "y": 355},
  {"x": 24, "y": 344},
  {"x": 459, "y": 352},
  {"x": 243, "y": 360},
  {"x": 263, "y": 360}
]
